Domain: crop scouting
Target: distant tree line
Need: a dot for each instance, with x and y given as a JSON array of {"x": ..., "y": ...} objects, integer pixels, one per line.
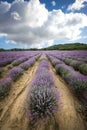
[{"x": 69, "y": 46}]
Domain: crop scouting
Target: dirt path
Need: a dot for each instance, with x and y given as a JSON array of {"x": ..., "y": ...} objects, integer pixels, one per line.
[
  {"x": 12, "y": 112},
  {"x": 67, "y": 116}
]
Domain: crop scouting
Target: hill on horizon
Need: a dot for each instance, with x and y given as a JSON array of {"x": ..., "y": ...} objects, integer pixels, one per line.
[{"x": 66, "y": 46}]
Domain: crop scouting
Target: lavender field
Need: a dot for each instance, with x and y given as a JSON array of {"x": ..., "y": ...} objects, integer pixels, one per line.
[{"x": 43, "y": 90}]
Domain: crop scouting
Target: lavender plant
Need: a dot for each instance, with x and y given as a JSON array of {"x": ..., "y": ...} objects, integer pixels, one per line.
[
  {"x": 83, "y": 69},
  {"x": 54, "y": 60},
  {"x": 74, "y": 63},
  {"x": 43, "y": 78},
  {"x": 19, "y": 60},
  {"x": 63, "y": 70},
  {"x": 5, "y": 86},
  {"x": 15, "y": 73},
  {"x": 42, "y": 102},
  {"x": 28, "y": 63},
  {"x": 78, "y": 82}
]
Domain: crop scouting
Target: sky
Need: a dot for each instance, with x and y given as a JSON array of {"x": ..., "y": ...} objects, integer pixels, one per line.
[{"x": 42, "y": 23}]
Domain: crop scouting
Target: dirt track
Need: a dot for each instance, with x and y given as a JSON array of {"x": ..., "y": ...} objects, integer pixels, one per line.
[{"x": 12, "y": 110}]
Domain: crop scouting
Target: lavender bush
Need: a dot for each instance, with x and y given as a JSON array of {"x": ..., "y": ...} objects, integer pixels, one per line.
[
  {"x": 43, "y": 78},
  {"x": 78, "y": 82},
  {"x": 63, "y": 69},
  {"x": 83, "y": 69},
  {"x": 15, "y": 73},
  {"x": 5, "y": 86},
  {"x": 74, "y": 63},
  {"x": 42, "y": 102},
  {"x": 19, "y": 61},
  {"x": 29, "y": 62},
  {"x": 54, "y": 60},
  {"x": 44, "y": 64}
]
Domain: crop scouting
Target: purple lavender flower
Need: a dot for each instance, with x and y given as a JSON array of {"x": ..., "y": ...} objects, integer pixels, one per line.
[
  {"x": 43, "y": 64},
  {"x": 63, "y": 70},
  {"x": 28, "y": 63},
  {"x": 5, "y": 86},
  {"x": 19, "y": 60},
  {"x": 77, "y": 81},
  {"x": 42, "y": 102},
  {"x": 54, "y": 60},
  {"x": 15, "y": 73}
]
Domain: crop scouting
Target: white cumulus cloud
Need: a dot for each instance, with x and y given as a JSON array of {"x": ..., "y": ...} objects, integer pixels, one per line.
[
  {"x": 36, "y": 13},
  {"x": 77, "y": 5},
  {"x": 31, "y": 24}
]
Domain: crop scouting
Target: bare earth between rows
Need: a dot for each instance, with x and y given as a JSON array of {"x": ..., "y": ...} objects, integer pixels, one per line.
[{"x": 12, "y": 110}]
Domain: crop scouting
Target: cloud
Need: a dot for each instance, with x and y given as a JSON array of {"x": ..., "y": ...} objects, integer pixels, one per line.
[
  {"x": 4, "y": 7},
  {"x": 53, "y": 3},
  {"x": 36, "y": 13},
  {"x": 3, "y": 34},
  {"x": 15, "y": 16},
  {"x": 77, "y": 5},
  {"x": 31, "y": 24}
]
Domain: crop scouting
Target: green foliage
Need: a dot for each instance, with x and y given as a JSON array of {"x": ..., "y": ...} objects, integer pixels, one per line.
[
  {"x": 83, "y": 69},
  {"x": 69, "y": 46},
  {"x": 62, "y": 70},
  {"x": 15, "y": 63},
  {"x": 66, "y": 46},
  {"x": 5, "y": 86},
  {"x": 1, "y": 71},
  {"x": 1, "y": 49}
]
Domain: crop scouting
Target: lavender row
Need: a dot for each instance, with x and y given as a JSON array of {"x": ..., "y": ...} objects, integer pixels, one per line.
[
  {"x": 76, "y": 81},
  {"x": 22, "y": 59},
  {"x": 12, "y": 75},
  {"x": 29, "y": 62},
  {"x": 78, "y": 55},
  {"x": 78, "y": 65},
  {"x": 54, "y": 60},
  {"x": 42, "y": 97},
  {"x": 15, "y": 72},
  {"x": 8, "y": 57}
]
